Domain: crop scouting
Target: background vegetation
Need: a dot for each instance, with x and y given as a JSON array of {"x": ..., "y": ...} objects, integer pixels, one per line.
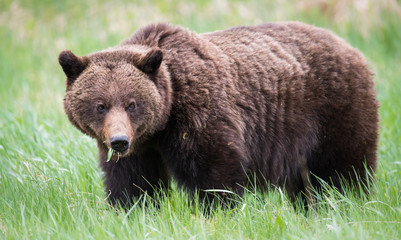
[{"x": 50, "y": 186}]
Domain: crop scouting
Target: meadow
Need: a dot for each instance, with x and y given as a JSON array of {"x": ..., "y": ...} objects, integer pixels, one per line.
[{"x": 50, "y": 183}]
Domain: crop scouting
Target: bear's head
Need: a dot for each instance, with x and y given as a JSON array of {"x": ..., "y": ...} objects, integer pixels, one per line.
[{"x": 118, "y": 96}]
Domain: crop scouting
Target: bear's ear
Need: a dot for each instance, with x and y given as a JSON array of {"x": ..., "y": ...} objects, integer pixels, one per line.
[
  {"x": 150, "y": 63},
  {"x": 72, "y": 65}
]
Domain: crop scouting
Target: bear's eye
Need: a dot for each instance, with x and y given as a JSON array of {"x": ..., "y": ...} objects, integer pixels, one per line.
[
  {"x": 101, "y": 108},
  {"x": 131, "y": 107}
]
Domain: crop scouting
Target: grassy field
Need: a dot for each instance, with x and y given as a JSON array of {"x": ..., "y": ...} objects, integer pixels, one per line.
[{"x": 50, "y": 185}]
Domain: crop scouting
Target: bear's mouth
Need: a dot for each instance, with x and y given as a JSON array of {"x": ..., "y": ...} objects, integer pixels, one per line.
[
  {"x": 119, "y": 155},
  {"x": 116, "y": 156}
]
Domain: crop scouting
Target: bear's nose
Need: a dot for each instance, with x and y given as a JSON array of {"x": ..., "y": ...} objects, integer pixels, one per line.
[{"x": 119, "y": 143}]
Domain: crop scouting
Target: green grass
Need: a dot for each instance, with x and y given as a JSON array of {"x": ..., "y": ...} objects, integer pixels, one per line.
[{"x": 50, "y": 185}]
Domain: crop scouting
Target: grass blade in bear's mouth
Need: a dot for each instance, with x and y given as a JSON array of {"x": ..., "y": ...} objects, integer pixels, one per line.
[{"x": 109, "y": 154}]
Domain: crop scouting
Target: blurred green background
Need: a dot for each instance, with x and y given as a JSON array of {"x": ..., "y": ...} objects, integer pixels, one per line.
[{"x": 50, "y": 186}]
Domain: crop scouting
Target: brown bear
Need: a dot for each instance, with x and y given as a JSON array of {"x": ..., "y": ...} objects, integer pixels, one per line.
[{"x": 286, "y": 103}]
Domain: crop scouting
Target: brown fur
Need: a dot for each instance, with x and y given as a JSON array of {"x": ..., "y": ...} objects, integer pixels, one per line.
[{"x": 212, "y": 109}]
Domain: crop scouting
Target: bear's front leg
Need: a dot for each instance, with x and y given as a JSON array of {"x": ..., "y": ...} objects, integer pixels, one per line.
[
  {"x": 222, "y": 180},
  {"x": 131, "y": 176},
  {"x": 209, "y": 168}
]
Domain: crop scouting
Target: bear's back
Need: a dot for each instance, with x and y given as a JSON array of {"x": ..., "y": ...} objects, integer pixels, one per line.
[{"x": 300, "y": 88}]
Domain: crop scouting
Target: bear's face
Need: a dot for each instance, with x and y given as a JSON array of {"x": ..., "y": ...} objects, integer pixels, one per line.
[{"x": 112, "y": 95}]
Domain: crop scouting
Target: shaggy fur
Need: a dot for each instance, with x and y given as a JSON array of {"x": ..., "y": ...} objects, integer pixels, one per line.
[{"x": 211, "y": 110}]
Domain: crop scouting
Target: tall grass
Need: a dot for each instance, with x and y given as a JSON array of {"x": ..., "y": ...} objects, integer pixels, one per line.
[{"x": 50, "y": 185}]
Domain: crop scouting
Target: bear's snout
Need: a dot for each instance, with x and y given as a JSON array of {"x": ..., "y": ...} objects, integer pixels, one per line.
[
  {"x": 119, "y": 143},
  {"x": 117, "y": 132}
]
